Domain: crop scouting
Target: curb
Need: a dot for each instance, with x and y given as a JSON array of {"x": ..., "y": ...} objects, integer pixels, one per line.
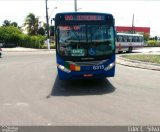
[
  {"x": 26, "y": 50},
  {"x": 137, "y": 64}
]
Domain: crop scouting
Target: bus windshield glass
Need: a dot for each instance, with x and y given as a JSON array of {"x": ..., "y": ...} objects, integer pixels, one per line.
[{"x": 85, "y": 40}]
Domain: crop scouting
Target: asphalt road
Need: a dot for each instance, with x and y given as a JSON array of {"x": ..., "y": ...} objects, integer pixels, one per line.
[{"x": 31, "y": 94}]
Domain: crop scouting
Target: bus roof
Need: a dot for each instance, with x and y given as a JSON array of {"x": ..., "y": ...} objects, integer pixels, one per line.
[
  {"x": 98, "y": 13},
  {"x": 130, "y": 34}
]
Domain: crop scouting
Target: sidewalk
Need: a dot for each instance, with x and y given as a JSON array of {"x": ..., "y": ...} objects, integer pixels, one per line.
[
  {"x": 137, "y": 64},
  {"x": 21, "y": 49}
]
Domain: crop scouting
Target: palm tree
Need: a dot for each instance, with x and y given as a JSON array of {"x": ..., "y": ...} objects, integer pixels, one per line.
[{"x": 31, "y": 24}]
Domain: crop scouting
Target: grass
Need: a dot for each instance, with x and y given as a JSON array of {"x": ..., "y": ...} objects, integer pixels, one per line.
[{"x": 144, "y": 58}]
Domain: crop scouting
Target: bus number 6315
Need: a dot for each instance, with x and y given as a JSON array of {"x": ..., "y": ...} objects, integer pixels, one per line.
[{"x": 98, "y": 67}]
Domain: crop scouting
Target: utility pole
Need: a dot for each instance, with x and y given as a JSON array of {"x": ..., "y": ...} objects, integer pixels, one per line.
[
  {"x": 133, "y": 24},
  {"x": 75, "y": 5},
  {"x": 47, "y": 24}
]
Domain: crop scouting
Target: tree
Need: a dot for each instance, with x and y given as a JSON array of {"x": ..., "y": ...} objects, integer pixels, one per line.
[
  {"x": 31, "y": 23},
  {"x": 9, "y": 34},
  {"x": 15, "y": 24},
  {"x": 146, "y": 37},
  {"x": 45, "y": 27},
  {"x": 6, "y": 23},
  {"x": 9, "y": 23},
  {"x": 156, "y": 38},
  {"x": 41, "y": 31}
]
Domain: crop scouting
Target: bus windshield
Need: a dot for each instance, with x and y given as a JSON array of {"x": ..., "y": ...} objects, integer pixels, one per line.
[{"x": 85, "y": 40}]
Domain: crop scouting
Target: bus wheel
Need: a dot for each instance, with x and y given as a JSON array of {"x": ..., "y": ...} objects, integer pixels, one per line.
[
  {"x": 129, "y": 50},
  {"x": 120, "y": 52}
]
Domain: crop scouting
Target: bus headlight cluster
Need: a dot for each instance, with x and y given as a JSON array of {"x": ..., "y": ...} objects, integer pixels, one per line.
[
  {"x": 63, "y": 68},
  {"x": 110, "y": 66}
]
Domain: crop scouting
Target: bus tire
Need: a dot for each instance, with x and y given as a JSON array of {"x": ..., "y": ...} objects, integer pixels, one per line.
[
  {"x": 120, "y": 52},
  {"x": 129, "y": 49}
]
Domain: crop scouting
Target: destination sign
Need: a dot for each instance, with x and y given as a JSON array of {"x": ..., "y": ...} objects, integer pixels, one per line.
[{"x": 84, "y": 17}]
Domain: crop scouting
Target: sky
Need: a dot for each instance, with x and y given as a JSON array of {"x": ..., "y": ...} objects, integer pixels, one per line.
[{"x": 146, "y": 12}]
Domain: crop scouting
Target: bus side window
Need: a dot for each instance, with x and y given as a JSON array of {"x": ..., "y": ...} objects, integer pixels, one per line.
[
  {"x": 128, "y": 39},
  {"x": 141, "y": 39},
  {"x": 118, "y": 39},
  {"x": 124, "y": 38},
  {"x": 138, "y": 39},
  {"x": 133, "y": 39}
]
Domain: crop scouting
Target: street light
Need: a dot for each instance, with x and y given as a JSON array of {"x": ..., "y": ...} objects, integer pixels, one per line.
[
  {"x": 47, "y": 25},
  {"x": 52, "y": 12}
]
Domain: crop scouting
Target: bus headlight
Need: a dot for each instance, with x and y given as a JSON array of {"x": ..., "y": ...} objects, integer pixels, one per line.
[
  {"x": 110, "y": 66},
  {"x": 63, "y": 68}
]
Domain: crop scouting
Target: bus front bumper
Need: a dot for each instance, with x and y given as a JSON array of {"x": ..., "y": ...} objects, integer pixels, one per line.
[{"x": 63, "y": 75}]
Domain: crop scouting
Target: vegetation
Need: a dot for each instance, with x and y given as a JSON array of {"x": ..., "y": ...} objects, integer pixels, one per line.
[
  {"x": 31, "y": 41},
  {"x": 153, "y": 43},
  {"x": 10, "y": 32},
  {"x": 9, "y": 23},
  {"x": 12, "y": 35},
  {"x": 52, "y": 46},
  {"x": 146, "y": 37},
  {"x": 144, "y": 58},
  {"x": 32, "y": 25}
]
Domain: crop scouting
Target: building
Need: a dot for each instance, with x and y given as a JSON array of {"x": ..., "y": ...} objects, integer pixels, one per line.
[{"x": 136, "y": 29}]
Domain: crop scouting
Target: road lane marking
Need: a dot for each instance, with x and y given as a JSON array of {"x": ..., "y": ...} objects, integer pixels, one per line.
[{"x": 22, "y": 104}]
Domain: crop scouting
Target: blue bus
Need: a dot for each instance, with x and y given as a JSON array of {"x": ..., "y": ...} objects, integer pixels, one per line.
[{"x": 85, "y": 45}]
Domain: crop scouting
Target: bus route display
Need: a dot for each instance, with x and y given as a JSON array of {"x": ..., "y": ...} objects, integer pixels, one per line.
[{"x": 84, "y": 17}]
